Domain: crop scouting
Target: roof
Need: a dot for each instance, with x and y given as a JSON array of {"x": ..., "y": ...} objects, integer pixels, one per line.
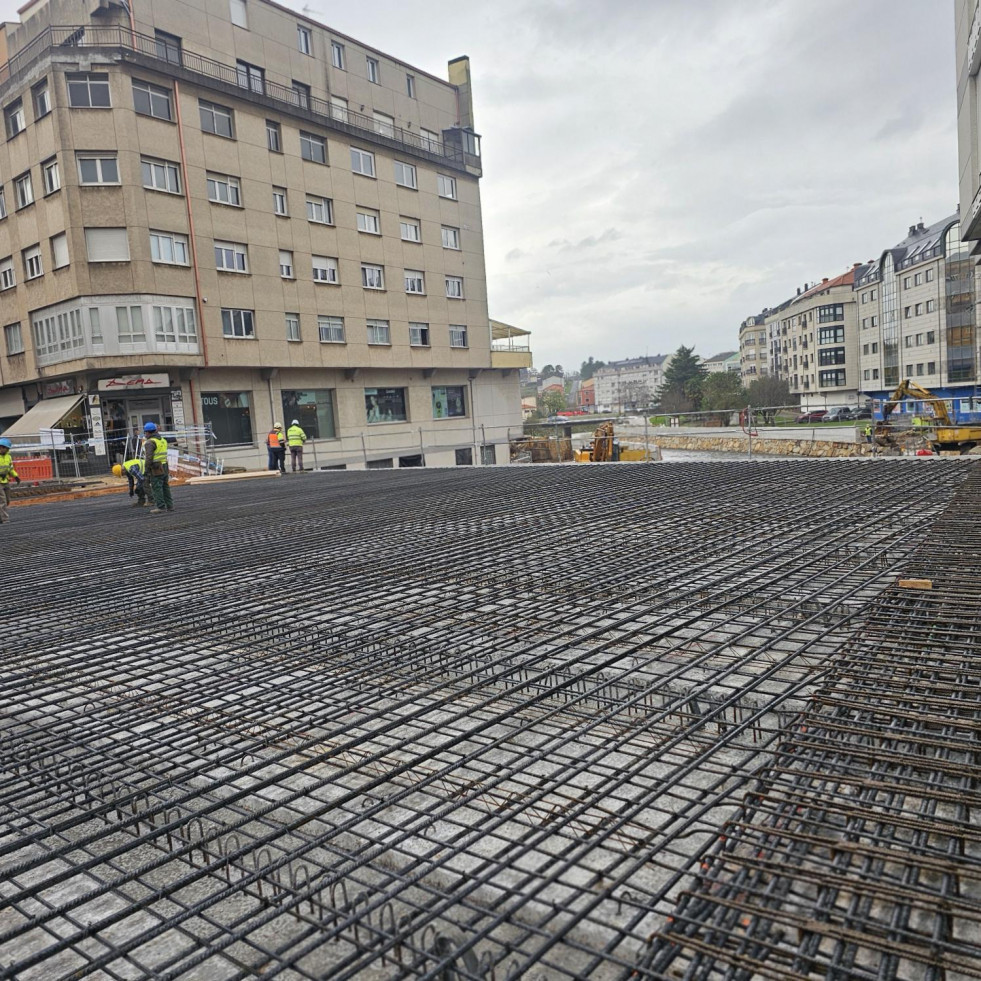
[{"x": 501, "y": 331}]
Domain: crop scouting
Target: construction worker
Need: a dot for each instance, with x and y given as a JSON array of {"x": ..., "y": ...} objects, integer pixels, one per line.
[
  {"x": 132, "y": 470},
  {"x": 7, "y": 473},
  {"x": 868, "y": 433},
  {"x": 296, "y": 437},
  {"x": 276, "y": 444},
  {"x": 155, "y": 457}
]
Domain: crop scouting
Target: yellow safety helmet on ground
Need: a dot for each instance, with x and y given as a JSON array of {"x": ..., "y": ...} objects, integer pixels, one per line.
[{"x": 117, "y": 470}]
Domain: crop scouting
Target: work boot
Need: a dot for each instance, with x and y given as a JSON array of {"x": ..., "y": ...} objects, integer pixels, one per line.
[{"x": 156, "y": 511}]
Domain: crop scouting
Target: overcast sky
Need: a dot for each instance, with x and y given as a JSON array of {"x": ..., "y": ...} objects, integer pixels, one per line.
[{"x": 657, "y": 170}]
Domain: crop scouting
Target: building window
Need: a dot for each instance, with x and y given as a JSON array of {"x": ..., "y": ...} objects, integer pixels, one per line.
[
  {"x": 372, "y": 277},
  {"x": 89, "y": 91},
  {"x": 304, "y": 42},
  {"x": 231, "y": 257},
  {"x": 101, "y": 168},
  {"x": 274, "y": 136},
  {"x": 831, "y": 335},
  {"x": 410, "y": 86},
  {"x": 384, "y": 405},
  {"x": 237, "y": 323},
  {"x": 8, "y": 277},
  {"x": 907, "y": 282},
  {"x": 169, "y": 247},
  {"x": 362, "y": 162},
  {"x": 379, "y": 332},
  {"x": 448, "y": 401},
  {"x": 293, "y": 327},
  {"x": 161, "y": 175},
  {"x": 279, "y": 201},
  {"x": 238, "y": 13},
  {"x": 931, "y": 337},
  {"x": 415, "y": 281},
  {"x": 337, "y": 54},
  {"x": 831, "y": 379},
  {"x": 464, "y": 456},
  {"x": 371, "y": 65},
  {"x": 331, "y": 330},
  {"x": 229, "y": 416},
  {"x": 51, "y": 176},
  {"x": 918, "y": 279},
  {"x": 215, "y": 119},
  {"x": 224, "y": 189},
  {"x": 907, "y": 312},
  {"x": 929, "y": 275},
  {"x": 285, "y": 264},
  {"x": 919, "y": 369},
  {"x": 831, "y": 356},
  {"x": 369, "y": 221},
  {"x": 430, "y": 140},
  {"x": 32, "y": 262},
  {"x": 13, "y": 118},
  {"x": 454, "y": 287},
  {"x": 405, "y": 174},
  {"x": 831, "y": 312},
  {"x": 325, "y": 270},
  {"x": 24, "y": 190},
  {"x": 301, "y": 94},
  {"x": 41, "y": 96},
  {"x": 168, "y": 47},
  {"x": 151, "y": 100},
  {"x": 13, "y": 340},
  {"x": 410, "y": 230},
  {"x": 931, "y": 306},
  {"x": 418, "y": 335},
  {"x": 59, "y": 250},
  {"x": 918, "y": 309},
  {"x": 451, "y": 237},
  {"x": 931, "y": 367},
  {"x": 314, "y": 409},
  {"x": 250, "y": 77},
  {"x": 338, "y": 108},
  {"x": 107, "y": 244},
  {"x": 174, "y": 325},
  {"x": 384, "y": 124},
  {"x": 446, "y": 186},
  {"x": 320, "y": 210},
  {"x": 3, "y": 203},
  {"x": 458, "y": 335},
  {"x": 313, "y": 148}
]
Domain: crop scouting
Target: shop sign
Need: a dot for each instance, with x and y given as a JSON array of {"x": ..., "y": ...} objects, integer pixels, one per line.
[
  {"x": 54, "y": 389},
  {"x": 130, "y": 383},
  {"x": 98, "y": 432},
  {"x": 177, "y": 409}
]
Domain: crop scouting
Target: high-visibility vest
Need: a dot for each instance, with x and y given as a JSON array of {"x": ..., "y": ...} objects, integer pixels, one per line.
[
  {"x": 274, "y": 440},
  {"x": 6, "y": 467},
  {"x": 295, "y": 436},
  {"x": 130, "y": 465},
  {"x": 159, "y": 449}
]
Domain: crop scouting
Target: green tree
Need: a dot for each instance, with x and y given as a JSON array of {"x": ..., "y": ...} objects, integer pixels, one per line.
[
  {"x": 589, "y": 368},
  {"x": 551, "y": 369},
  {"x": 550, "y": 402},
  {"x": 723, "y": 392},
  {"x": 682, "y": 388},
  {"x": 767, "y": 394}
]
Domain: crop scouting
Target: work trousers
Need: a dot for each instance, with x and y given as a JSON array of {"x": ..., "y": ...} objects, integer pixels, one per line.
[
  {"x": 296, "y": 458},
  {"x": 4, "y": 501},
  {"x": 277, "y": 458},
  {"x": 160, "y": 488}
]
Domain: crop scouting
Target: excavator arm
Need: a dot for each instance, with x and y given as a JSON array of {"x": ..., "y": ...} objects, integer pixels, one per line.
[{"x": 909, "y": 389}]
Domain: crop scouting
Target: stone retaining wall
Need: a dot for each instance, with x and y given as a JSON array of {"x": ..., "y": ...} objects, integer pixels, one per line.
[{"x": 763, "y": 447}]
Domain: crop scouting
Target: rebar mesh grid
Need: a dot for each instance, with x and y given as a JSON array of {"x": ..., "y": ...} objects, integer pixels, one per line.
[{"x": 483, "y": 724}]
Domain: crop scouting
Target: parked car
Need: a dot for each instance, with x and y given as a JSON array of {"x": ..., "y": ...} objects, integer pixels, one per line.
[
  {"x": 815, "y": 415},
  {"x": 839, "y": 413},
  {"x": 864, "y": 413}
]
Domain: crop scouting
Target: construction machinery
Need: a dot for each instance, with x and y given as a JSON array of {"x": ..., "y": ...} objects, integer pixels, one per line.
[
  {"x": 933, "y": 424},
  {"x": 605, "y": 448}
]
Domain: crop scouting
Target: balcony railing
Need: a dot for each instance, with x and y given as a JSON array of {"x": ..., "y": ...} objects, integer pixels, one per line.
[{"x": 467, "y": 153}]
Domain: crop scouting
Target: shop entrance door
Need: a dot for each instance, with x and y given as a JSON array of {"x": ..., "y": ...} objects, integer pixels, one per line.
[{"x": 142, "y": 411}]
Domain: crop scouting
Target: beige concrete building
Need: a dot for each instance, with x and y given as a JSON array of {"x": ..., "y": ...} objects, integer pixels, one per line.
[
  {"x": 629, "y": 385},
  {"x": 222, "y": 214},
  {"x": 754, "y": 361}
]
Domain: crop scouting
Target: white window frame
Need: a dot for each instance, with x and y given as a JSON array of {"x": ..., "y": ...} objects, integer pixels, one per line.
[
  {"x": 238, "y": 13},
  {"x": 372, "y": 276},
  {"x": 33, "y": 265},
  {"x": 41, "y": 97},
  {"x": 14, "y": 120},
  {"x": 454, "y": 287},
  {"x": 237, "y": 323},
  {"x": 99, "y": 239},
  {"x": 274, "y": 136},
  {"x": 369, "y": 222},
  {"x": 99, "y": 160},
  {"x": 330, "y": 330},
  {"x": 13, "y": 339},
  {"x": 51, "y": 176},
  {"x": 3, "y": 203},
  {"x": 24, "y": 190},
  {"x": 379, "y": 333},
  {"x": 304, "y": 40},
  {"x": 405, "y": 175},
  {"x": 8, "y": 275},
  {"x": 458, "y": 336},
  {"x": 157, "y": 98},
  {"x": 309, "y": 141},
  {"x": 59, "y": 250},
  {"x": 167, "y": 169},
  {"x": 286, "y": 270},
  {"x": 94, "y": 82},
  {"x": 408, "y": 224},
  {"x": 431, "y": 140},
  {"x": 337, "y": 55},
  {"x": 372, "y": 70},
  {"x": 383, "y": 124},
  {"x": 280, "y": 202},
  {"x": 410, "y": 86},
  {"x": 325, "y": 269},
  {"x": 215, "y": 111},
  {"x": 418, "y": 334},
  {"x": 325, "y": 206},
  {"x": 362, "y": 162},
  {"x": 415, "y": 282},
  {"x": 338, "y": 108},
  {"x": 232, "y": 257},
  {"x": 451, "y": 237},
  {"x": 169, "y": 248},
  {"x": 292, "y": 324},
  {"x": 446, "y": 186},
  {"x": 232, "y": 193}
]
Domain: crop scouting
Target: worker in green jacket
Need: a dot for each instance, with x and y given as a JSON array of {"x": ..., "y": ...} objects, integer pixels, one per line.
[
  {"x": 155, "y": 454},
  {"x": 295, "y": 438},
  {"x": 7, "y": 473}
]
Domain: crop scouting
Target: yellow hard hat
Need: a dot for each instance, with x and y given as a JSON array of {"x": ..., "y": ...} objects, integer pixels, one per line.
[{"x": 117, "y": 470}]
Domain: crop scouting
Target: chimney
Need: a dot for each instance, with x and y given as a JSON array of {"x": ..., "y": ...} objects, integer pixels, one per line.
[
  {"x": 798, "y": 291},
  {"x": 912, "y": 231},
  {"x": 921, "y": 227},
  {"x": 825, "y": 279},
  {"x": 855, "y": 265}
]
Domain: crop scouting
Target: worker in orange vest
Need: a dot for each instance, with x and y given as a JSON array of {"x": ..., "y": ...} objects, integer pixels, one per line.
[{"x": 276, "y": 444}]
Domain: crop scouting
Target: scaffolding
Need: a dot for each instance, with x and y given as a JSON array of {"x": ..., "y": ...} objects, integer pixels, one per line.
[{"x": 598, "y": 722}]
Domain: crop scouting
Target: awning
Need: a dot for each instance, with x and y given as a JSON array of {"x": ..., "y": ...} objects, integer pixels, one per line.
[{"x": 45, "y": 415}]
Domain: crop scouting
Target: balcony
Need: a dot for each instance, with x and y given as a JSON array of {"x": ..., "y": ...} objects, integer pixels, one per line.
[
  {"x": 510, "y": 347},
  {"x": 458, "y": 148}
]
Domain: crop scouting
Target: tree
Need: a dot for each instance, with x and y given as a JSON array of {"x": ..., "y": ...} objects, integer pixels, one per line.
[
  {"x": 768, "y": 393},
  {"x": 550, "y": 402},
  {"x": 589, "y": 368},
  {"x": 682, "y": 388},
  {"x": 723, "y": 392},
  {"x": 551, "y": 369}
]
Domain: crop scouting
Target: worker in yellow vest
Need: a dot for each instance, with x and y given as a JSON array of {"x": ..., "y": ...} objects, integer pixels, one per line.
[
  {"x": 155, "y": 461},
  {"x": 132, "y": 470},
  {"x": 276, "y": 444},
  {"x": 7, "y": 473},
  {"x": 296, "y": 437}
]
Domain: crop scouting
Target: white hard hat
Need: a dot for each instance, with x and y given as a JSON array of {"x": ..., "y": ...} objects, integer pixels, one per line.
[
  {"x": 277, "y": 425},
  {"x": 295, "y": 422}
]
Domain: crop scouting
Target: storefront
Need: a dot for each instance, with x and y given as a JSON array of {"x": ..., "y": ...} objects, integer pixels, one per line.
[{"x": 126, "y": 403}]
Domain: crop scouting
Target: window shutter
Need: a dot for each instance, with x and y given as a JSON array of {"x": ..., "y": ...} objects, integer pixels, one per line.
[{"x": 107, "y": 244}]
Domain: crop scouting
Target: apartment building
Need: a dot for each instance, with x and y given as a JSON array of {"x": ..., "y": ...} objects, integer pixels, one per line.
[
  {"x": 754, "y": 347},
  {"x": 222, "y": 214},
  {"x": 631, "y": 384}
]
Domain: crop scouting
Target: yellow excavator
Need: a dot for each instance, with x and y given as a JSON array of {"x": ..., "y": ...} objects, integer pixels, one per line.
[
  {"x": 605, "y": 448},
  {"x": 935, "y": 423}
]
